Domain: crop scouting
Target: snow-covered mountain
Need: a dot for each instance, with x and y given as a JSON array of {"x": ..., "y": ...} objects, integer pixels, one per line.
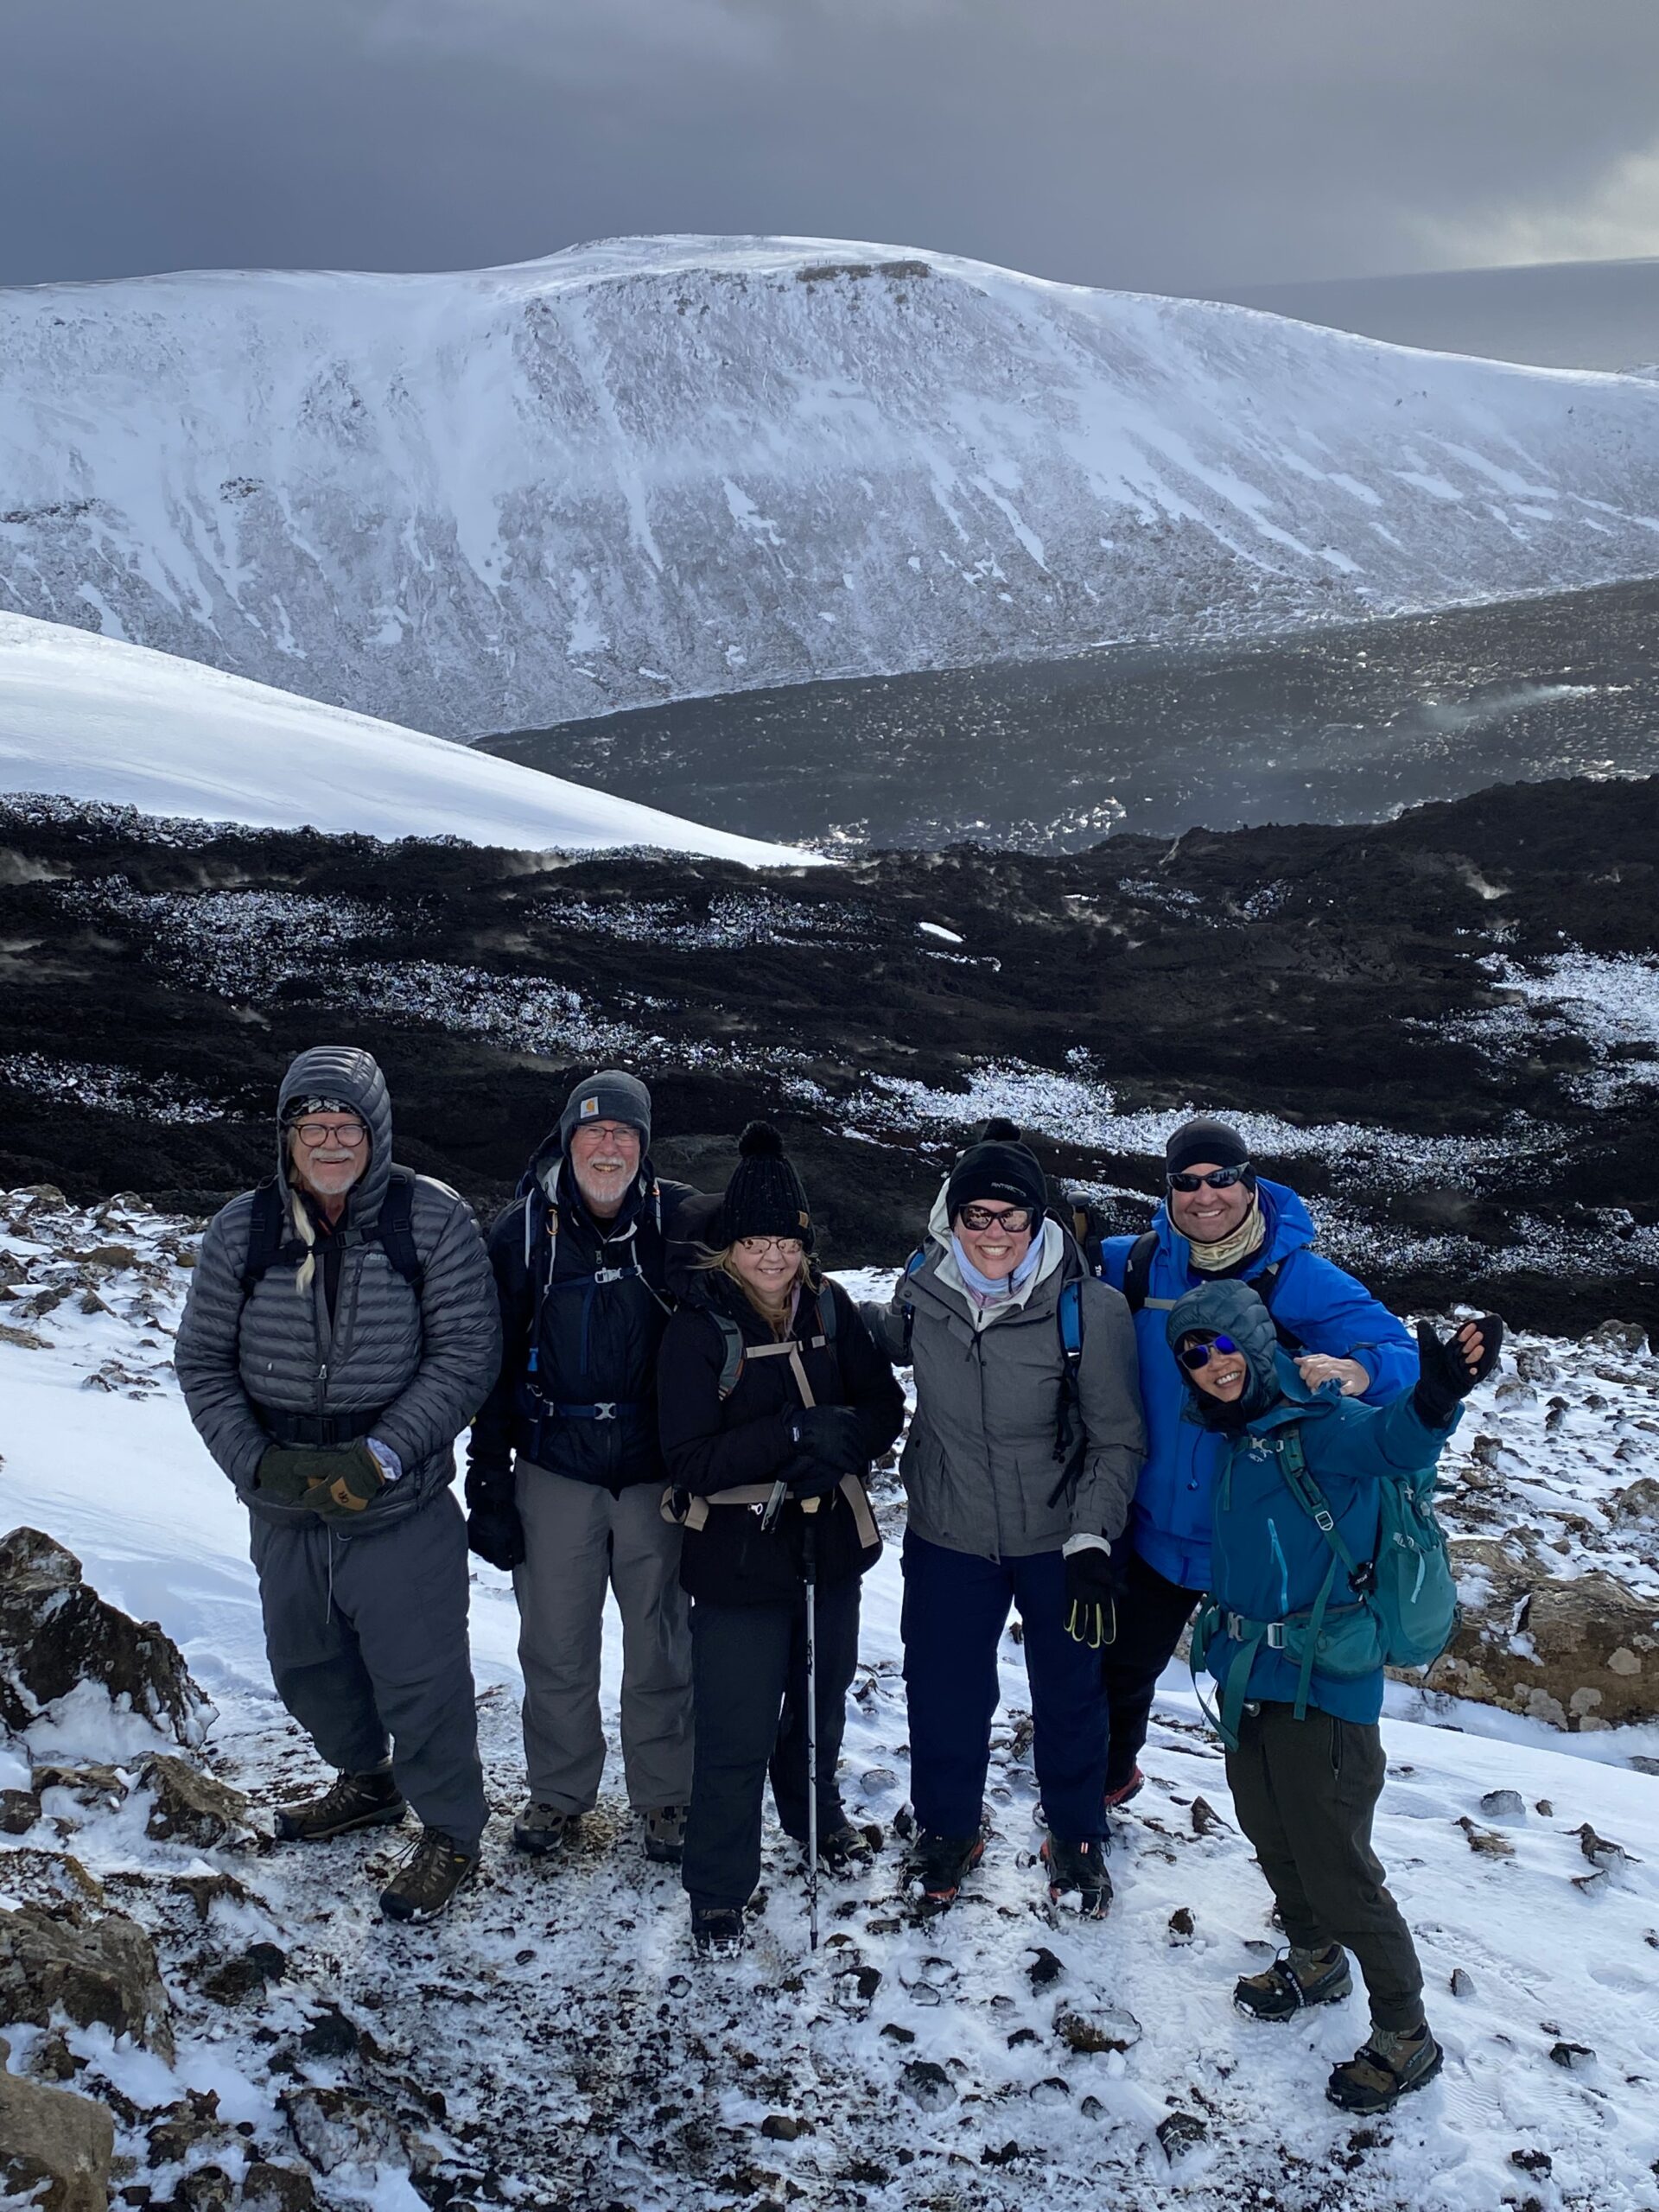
[
  {"x": 90, "y": 718},
  {"x": 662, "y": 466}
]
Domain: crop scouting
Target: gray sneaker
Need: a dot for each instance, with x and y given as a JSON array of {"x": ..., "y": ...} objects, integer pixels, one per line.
[
  {"x": 665, "y": 1834},
  {"x": 544, "y": 1832}
]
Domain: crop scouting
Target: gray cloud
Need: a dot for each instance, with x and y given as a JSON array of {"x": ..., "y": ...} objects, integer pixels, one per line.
[{"x": 1166, "y": 144}]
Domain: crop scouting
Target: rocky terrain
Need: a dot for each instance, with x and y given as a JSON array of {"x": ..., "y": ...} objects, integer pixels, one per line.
[{"x": 1443, "y": 1029}]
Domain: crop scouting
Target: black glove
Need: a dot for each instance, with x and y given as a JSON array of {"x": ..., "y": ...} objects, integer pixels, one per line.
[
  {"x": 349, "y": 1478},
  {"x": 1092, "y": 1580},
  {"x": 1446, "y": 1377},
  {"x": 830, "y": 1434},
  {"x": 809, "y": 1476},
  {"x": 494, "y": 1531},
  {"x": 286, "y": 1472}
]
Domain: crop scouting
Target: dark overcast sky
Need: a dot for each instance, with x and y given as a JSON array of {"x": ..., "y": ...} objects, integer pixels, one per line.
[{"x": 1179, "y": 145}]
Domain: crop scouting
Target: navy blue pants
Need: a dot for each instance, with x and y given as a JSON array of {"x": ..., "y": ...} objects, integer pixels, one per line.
[{"x": 956, "y": 1609}]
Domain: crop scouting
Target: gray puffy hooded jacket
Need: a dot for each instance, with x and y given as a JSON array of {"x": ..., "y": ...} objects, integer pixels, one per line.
[
  {"x": 979, "y": 1463},
  {"x": 423, "y": 1364}
]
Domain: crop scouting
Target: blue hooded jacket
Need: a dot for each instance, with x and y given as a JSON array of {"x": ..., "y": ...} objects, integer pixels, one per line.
[
  {"x": 1268, "y": 1558},
  {"x": 1324, "y": 1307}
]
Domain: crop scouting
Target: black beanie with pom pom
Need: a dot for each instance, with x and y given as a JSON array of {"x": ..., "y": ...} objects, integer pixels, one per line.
[
  {"x": 1000, "y": 1166},
  {"x": 766, "y": 1197}
]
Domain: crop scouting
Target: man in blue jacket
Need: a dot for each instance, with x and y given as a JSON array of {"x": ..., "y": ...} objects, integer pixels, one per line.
[{"x": 1218, "y": 1222}]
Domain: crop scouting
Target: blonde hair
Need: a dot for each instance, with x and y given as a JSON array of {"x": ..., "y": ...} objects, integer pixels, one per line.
[{"x": 707, "y": 1262}]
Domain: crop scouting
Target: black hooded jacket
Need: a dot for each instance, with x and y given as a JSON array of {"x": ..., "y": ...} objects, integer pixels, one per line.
[
  {"x": 712, "y": 1443},
  {"x": 582, "y": 1343}
]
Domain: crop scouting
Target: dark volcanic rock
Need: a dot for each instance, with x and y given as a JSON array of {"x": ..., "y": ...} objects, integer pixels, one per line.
[
  {"x": 1318, "y": 975},
  {"x": 55, "y": 1632},
  {"x": 102, "y": 1972},
  {"x": 55, "y": 2147}
]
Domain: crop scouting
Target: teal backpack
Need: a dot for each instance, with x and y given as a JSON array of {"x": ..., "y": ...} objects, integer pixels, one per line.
[{"x": 1403, "y": 1611}]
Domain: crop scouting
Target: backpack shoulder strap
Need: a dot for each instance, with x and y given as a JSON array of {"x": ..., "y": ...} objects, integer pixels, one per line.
[
  {"x": 731, "y": 1364},
  {"x": 1137, "y": 1271},
  {"x": 1264, "y": 1285},
  {"x": 827, "y": 1314},
  {"x": 395, "y": 1231},
  {"x": 265, "y": 1227},
  {"x": 1298, "y": 1481},
  {"x": 913, "y": 1266}
]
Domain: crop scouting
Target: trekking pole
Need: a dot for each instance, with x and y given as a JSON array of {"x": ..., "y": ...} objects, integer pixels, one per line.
[{"x": 810, "y": 1574}]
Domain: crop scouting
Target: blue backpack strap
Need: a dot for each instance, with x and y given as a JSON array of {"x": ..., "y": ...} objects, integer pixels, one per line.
[{"x": 913, "y": 1266}]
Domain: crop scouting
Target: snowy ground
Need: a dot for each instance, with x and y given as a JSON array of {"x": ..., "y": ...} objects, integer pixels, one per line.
[{"x": 554, "y": 2042}]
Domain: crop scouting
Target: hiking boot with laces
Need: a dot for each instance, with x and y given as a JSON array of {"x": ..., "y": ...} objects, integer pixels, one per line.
[
  {"x": 1077, "y": 1870},
  {"x": 426, "y": 1883},
  {"x": 665, "y": 1834},
  {"x": 1389, "y": 2063},
  {"x": 936, "y": 1866},
  {"x": 1120, "y": 1793},
  {"x": 717, "y": 1931},
  {"x": 543, "y": 1829},
  {"x": 353, "y": 1801},
  {"x": 844, "y": 1849},
  {"x": 1296, "y": 1980}
]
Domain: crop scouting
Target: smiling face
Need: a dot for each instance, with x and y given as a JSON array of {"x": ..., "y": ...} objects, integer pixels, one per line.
[
  {"x": 767, "y": 1267},
  {"x": 1207, "y": 1216},
  {"x": 1223, "y": 1375},
  {"x": 605, "y": 1161},
  {"x": 996, "y": 1250},
  {"x": 328, "y": 1151}
]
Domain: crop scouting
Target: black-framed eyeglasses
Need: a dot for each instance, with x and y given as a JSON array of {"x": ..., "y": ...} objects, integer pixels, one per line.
[
  {"x": 1195, "y": 1352},
  {"x": 1014, "y": 1219},
  {"x": 315, "y": 1135},
  {"x": 1218, "y": 1178}
]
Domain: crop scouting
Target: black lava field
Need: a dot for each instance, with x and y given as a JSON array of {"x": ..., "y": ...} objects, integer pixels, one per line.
[
  {"x": 155, "y": 979},
  {"x": 1345, "y": 724}
]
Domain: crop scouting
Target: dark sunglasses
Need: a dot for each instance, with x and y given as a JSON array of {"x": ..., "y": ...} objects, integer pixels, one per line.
[
  {"x": 1196, "y": 1355},
  {"x": 1218, "y": 1178}
]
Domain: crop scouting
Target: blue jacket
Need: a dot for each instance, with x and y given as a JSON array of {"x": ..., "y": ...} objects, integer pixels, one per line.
[
  {"x": 1321, "y": 1306},
  {"x": 1268, "y": 1559}
]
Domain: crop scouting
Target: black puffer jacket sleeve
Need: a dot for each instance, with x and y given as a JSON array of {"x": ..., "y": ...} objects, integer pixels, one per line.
[
  {"x": 207, "y": 1356},
  {"x": 873, "y": 1390}
]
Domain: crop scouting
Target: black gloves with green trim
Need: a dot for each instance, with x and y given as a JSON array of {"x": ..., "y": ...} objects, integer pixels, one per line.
[
  {"x": 339, "y": 1481},
  {"x": 1448, "y": 1372},
  {"x": 1093, "y": 1579}
]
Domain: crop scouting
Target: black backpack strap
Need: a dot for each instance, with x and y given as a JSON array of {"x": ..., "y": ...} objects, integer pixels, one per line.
[
  {"x": 1137, "y": 1269},
  {"x": 1264, "y": 1285},
  {"x": 266, "y": 1226},
  {"x": 731, "y": 1345},
  {"x": 395, "y": 1231}
]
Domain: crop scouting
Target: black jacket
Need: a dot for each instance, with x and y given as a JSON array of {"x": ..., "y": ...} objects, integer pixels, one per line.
[
  {"x": 601, "y": 1320},
  {"x": 713, "y": 1444}
]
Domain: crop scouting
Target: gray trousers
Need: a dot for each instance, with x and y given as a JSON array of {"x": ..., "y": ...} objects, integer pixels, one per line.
[
  {"x": 580, "y": 1541},
  {"x": 1304, "y": 1792},
  {"x": 367, "y": 1641}
]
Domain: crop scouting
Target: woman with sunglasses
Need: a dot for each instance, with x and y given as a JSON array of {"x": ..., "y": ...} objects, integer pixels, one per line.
[
  {"x": 1022, "y": 1459},
  {"x": 1305, "y": 1759},
  {"x": 1219, "y": 1221},
  {"x": 772, "y": 1403}
]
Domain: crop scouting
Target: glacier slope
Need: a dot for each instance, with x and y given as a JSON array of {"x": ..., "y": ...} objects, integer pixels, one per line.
[
  {"x": 90, "y": 718},
  {"x": 657, "y": 468}
]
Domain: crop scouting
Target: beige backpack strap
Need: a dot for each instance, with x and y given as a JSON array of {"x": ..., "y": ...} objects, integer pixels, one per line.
[
  {"x": 863, "y": 1520},
  {"x": 789, "y": 1350}
]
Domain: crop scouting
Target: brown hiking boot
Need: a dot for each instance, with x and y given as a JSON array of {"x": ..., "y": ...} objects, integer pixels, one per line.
[
  {"x": 665, "y": 1834},
  {"x": 426, "y": 1883},
  {"x": 354, "y": 1801},
  {"x": 1391, "y": 2061},
  {"x": 544, "y": 1830},
  {"x": 1296, "y": 1980}
]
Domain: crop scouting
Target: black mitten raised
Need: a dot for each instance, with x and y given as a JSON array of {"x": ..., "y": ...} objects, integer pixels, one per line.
[{"x": 1445, "y": 1376}]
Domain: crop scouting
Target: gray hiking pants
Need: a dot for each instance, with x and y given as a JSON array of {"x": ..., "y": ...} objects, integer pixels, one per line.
[
  {"x": 1304, "y": 1792},
  {"x": 580, "y": 1541},
  {"x": 367, "y": 1641}
]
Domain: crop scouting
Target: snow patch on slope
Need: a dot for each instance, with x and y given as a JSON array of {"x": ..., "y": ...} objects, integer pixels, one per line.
[{"x": 95, "y": 720}]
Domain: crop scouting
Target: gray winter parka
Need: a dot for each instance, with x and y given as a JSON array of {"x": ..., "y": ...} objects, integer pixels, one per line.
[
  {"x": 979, "y": 1463},
  {"x": 424, "y": 1364}
]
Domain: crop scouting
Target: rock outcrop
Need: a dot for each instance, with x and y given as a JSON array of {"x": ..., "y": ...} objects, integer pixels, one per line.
[
  {"x": 98, "y": 1971},
  {"x": 55, "y": 1632},
  {"x": 1580, "y": 1652},
  {"x": 55, "y": 2147}
]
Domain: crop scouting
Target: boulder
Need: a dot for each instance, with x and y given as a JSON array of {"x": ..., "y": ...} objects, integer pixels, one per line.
[
  {"x": 100, "y": 1971},
  {"x": 334, "y": 2128},
  {"x": 55, "y": 1632},
  {"x": 1579, "y": 1652},
  {"x": 55, "y": 2147},
  {"x": 191, "y": 1806},
  {"x": 277, "y": 2189}
]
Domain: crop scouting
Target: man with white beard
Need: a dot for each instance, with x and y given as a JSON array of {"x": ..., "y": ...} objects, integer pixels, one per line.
[{"x": 565, "y": 1476}]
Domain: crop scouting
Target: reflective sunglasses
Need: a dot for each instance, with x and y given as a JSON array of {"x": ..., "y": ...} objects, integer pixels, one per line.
[
  {"x": 1218, "y": 1178},
  {"x": 1014, "y": 1219},
  {"x": 1195, "y": 1355}
]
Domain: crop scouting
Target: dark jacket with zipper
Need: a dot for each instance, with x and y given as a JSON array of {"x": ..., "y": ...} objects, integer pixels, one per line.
[
  {"x": 713, "y": 1444},
  {"x": 585, "y": 1406},
  {"x": 357, "y": 1345}
]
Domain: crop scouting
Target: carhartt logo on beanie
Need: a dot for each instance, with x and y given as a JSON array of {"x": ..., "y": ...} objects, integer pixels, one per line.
[
  {"x": 766, "y": 1197},
  {"x": 611, "y": 1096},
  {"x": 1000, "y": 1166}
]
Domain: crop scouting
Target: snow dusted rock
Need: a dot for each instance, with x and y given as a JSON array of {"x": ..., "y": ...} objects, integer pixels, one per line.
[
  {"x": 926, "y": 2084},
  {"x": 1097, "y": 2027},
  {"x": 100, "y": 1972},
  {"x": 191, "y": 1806},
  {"x": 1579, "y": 1651},
  {"x": 267, "y": 2187},
  {"x": 334, "y": 2128},
  {"x": 55, "y": 2147},
  {"x": 651, "y": 468},
  {"x": 56, "y": 1633}
]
